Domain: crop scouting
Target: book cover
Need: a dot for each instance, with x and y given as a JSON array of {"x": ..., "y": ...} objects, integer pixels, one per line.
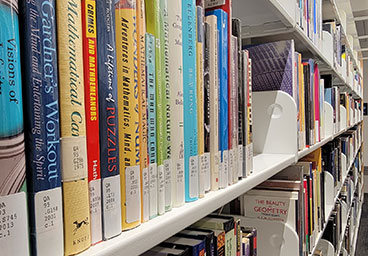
[
  {"x": 208, "y": 235},
  {"x": 77, "y": 228},
  {"x": 41, "y": 121},
  {"x": 151, "y": 121},
  {"x": 92, "y": 117},
  {"x": 166, "y": 111},
  {"x": 207, "y": 105},
  {"x": 223, "y": 119},
  {"x": 142, "y": 97},
  {"x": 190, "y": 101},
  {"x": 212, "y": 74},
  {"x": 128, "y": 102},
  {"x": 236, "y": 31},
  {"x": 200, "y": 97},
  {"x": 153, "y": 26},
  {"x": 176, "y": 101},
  {"x": 13, "y": 188},
  {"x": 108, "y": 116}
]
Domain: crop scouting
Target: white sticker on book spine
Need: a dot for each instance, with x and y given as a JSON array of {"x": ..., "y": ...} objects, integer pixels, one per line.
[
  {"x": 153, "y": 190},
  {"x": 132, "y": 194},
  {"x": 168, "y": 184},
  {"x": 111, "y": 206},
  {"x": 95, "y": 210},
  {"x": 201, "y": 176},
  {"x": 193, "y": 177},
  {"x": 235, "y": 164},
  {"x": 240, "y": 161},
  {"x": 14, "y": 224},
  {"x": 180, "y": 184},
  {"x": 226, "y": 168},
  {"x": 161, "y": 189},
  {"x": 206, "y": 163},
  {"x": 49, "y": 222},
  {"x": 146, "y": 186},
  {"x": 231, "y": 167}
]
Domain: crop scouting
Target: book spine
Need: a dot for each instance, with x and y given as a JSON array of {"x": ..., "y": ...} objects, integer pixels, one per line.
[
  {"x": 73, "y": 128},
  {"x": 200, "y": 98},
  {"x": 108, "y": 117},
  {"x": 212, "y": 55},
  {"x": 190, "y": 101},
  {"x": 154, "y": 27},
  {"x": 127, "y": 72},
  {"x": 143, "y": 152},
  {"x": 235, "y": 106},
  {"x": 92, "y": 120},
  {"x": 42, "y": 125},
  {"x": 14, "y": 219},
  {"x": 249, "y": 147},
  {"x": 151, "y": 115},
  {"x": 176, "y": 101},
  {"x": 206, "y": 108},
  {"x": 165, "y": 98}
]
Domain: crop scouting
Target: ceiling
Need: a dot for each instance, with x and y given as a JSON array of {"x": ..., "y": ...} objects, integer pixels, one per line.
[{"x": 360, "y": 13}]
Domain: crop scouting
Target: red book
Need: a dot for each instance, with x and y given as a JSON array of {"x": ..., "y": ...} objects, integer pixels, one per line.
[{"x": 92, "y": 120}]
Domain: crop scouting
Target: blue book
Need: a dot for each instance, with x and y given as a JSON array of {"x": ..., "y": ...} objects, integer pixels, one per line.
[
  {"x": 222, "y": 25},
  {"x": 191, "y": 169},
  {"x": 151, "y": 123},
  {"x": 197, "y": 246},
  {"x": 108, "y": 117},
  {"x": 41, "y": 122}
]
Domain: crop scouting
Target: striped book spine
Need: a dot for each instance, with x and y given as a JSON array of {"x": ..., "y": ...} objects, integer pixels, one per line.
[
  {"x": 151, "y": 115},
  {"x": 142, "y": 97},
  {"x": 41, "y": 121},
  {"x": 12, "y": 157},
  {"x": 154, "y": 19},
  {"x": 127, "y": 72},
  {"x": 92, "y": 118},
  {"x": 77, "y": 229},
  {"x": 108, "y": 116},
  {"x": 176, "y": 101},
  {"x": 190, "y": 101}
]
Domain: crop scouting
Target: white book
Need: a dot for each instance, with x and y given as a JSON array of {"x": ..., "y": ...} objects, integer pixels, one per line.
[
  {"x": 234, "y": 109},
  {"x": 214, "y": 111},
  {"x": 248, "y": 150},
  {"x": 176, "y": 101}
]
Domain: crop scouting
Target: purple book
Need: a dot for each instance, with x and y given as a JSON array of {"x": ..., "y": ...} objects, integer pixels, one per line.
[{"x": 273, "y": 66}]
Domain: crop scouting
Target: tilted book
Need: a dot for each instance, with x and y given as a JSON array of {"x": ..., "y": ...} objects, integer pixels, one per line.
[
  {"x": 190, "y": 101},
  {"x": 222, "y": 27},
  {"x": 77, "y": 228},
  {"x": 176, "y": 101},
  {"x": 92, "y": 118},
  {"x": 127, "y": 72},
  {"x": 13, "y": 201},
  {"x": 212, "y": 73},
  {"x": 142, "y": 90},
  {"x": 153, "y": 17},
  {"x": 41, "y": 121},
  {"x": 108, "y": 115},
  {"x": 200, "y": 99}
]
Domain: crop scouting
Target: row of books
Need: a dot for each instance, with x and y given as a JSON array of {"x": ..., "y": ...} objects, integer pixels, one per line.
[
  {"x": 213, "y": 235},
  {"x": 115, "y": 112}
]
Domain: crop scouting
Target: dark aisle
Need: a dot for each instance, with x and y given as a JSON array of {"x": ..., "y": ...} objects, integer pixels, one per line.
[{"x": 362, "y": 244}]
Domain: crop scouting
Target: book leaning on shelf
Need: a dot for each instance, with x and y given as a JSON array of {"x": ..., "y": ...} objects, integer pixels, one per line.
[
  {"x": 41, "y": 121},
  {"x": 77, "y": 229},
  {"x": 108, "y": 116},
  {"x": 13, "y": 201}
]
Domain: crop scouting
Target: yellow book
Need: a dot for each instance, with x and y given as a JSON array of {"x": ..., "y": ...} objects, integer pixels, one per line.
[
  {"x": 77, "y": 230},
  {"x": 128, "y": 104},
  {"x": 141, "y": 34}
]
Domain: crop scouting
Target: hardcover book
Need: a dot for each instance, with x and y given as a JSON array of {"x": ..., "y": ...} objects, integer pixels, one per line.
[
  {"x": 41, "y": 121},
  {"x": 142, "y": 97},
  {"x": 211, "y": 55},
  {"x": 13, "y": 201},
  {"x": 77, "y": 229},
  {"x": 127, "y": 73},
  {"x": 190, "y": 101},
  {"x": 223, "y": 119},
  {"x": 109, "y": 122},
  {"x": 176, "y": 101},
  {"x": 248, "y": 149},
  {"x": 92, "y": 117},
  {"x": 154, "y": 21},
  {"x": 151, "y": 110},
  {"x": 196, "y": 246}
]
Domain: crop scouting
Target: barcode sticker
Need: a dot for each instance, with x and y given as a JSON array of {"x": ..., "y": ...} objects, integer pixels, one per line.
[{"x": 132, "y": 194}]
